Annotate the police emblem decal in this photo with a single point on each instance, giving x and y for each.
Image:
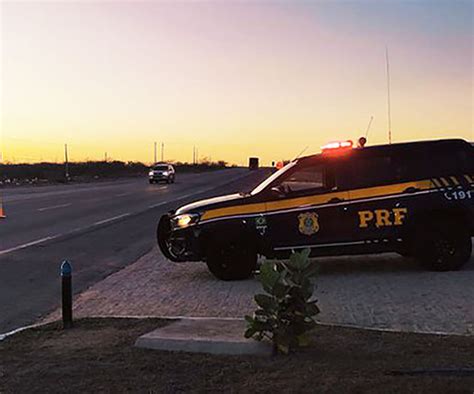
(261, 224)
(308, 223)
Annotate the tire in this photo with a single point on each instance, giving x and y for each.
(232, 260)
(442, 248)
(151, 181)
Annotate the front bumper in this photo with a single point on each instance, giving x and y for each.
(179, 245)
(158, 177)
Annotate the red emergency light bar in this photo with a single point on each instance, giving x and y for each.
(337, 145)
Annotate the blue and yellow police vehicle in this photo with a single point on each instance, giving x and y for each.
(415, 198)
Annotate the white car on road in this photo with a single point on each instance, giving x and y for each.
(161, 172)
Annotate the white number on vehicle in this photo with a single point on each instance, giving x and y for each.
(459, 195)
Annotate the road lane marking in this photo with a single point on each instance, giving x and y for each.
(158, 204)
(111, 219)
(123, 194)
(180, 198)
(105, 221)
(32, 243)
(54, 207)
(53, 237)
(154, 189)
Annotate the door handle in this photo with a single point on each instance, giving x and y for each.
(411, 189)
(335, 200)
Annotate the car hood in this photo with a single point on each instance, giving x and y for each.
(209, 203)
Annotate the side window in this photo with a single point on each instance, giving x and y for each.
(412, 166)
(360, 172)
(450, 162)
(307, 179)
(431, 162)
(398, 166)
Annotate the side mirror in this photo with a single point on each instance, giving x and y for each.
(278, 191)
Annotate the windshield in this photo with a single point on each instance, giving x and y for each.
(270, 179)
(161, 168)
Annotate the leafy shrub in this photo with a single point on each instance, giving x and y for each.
(286, 313)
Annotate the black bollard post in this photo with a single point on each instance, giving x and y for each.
(66, 287)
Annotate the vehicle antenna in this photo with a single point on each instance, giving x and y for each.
(388, 98)
(368, 127)
(299, 154)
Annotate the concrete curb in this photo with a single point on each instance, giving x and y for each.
(394, 330)
(328, 324)
(345, 325)
(20, 329)
(211, 336)
(44, 323)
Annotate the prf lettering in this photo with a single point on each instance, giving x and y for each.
(382, 217)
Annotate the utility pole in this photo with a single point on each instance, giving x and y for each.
(105, 156)
(66, 162)
(197, 156)
(388, 98)
(155, 154)
(194, 154)
(162, 151)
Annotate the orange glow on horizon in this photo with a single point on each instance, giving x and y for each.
(234, 80)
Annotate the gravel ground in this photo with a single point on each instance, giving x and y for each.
(98, 356)
(384, 291)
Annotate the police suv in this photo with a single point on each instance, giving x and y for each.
(416, 199)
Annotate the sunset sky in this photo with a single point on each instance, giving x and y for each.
(236, 79)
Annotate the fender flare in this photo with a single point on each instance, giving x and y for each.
(451, 218)
(221, 232)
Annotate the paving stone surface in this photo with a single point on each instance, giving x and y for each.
(383, 291)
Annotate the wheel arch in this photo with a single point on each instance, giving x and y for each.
(432, 228)
(454, 217)
(220, 232)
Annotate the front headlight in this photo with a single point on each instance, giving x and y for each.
(165, 173)
(185, 220)
(151, 173)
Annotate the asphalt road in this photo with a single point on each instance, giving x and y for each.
(99, 227)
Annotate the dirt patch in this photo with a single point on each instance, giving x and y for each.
(98, 355)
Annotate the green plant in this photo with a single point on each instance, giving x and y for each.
(286, 313)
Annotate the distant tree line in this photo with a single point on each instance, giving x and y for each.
(54, 172)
